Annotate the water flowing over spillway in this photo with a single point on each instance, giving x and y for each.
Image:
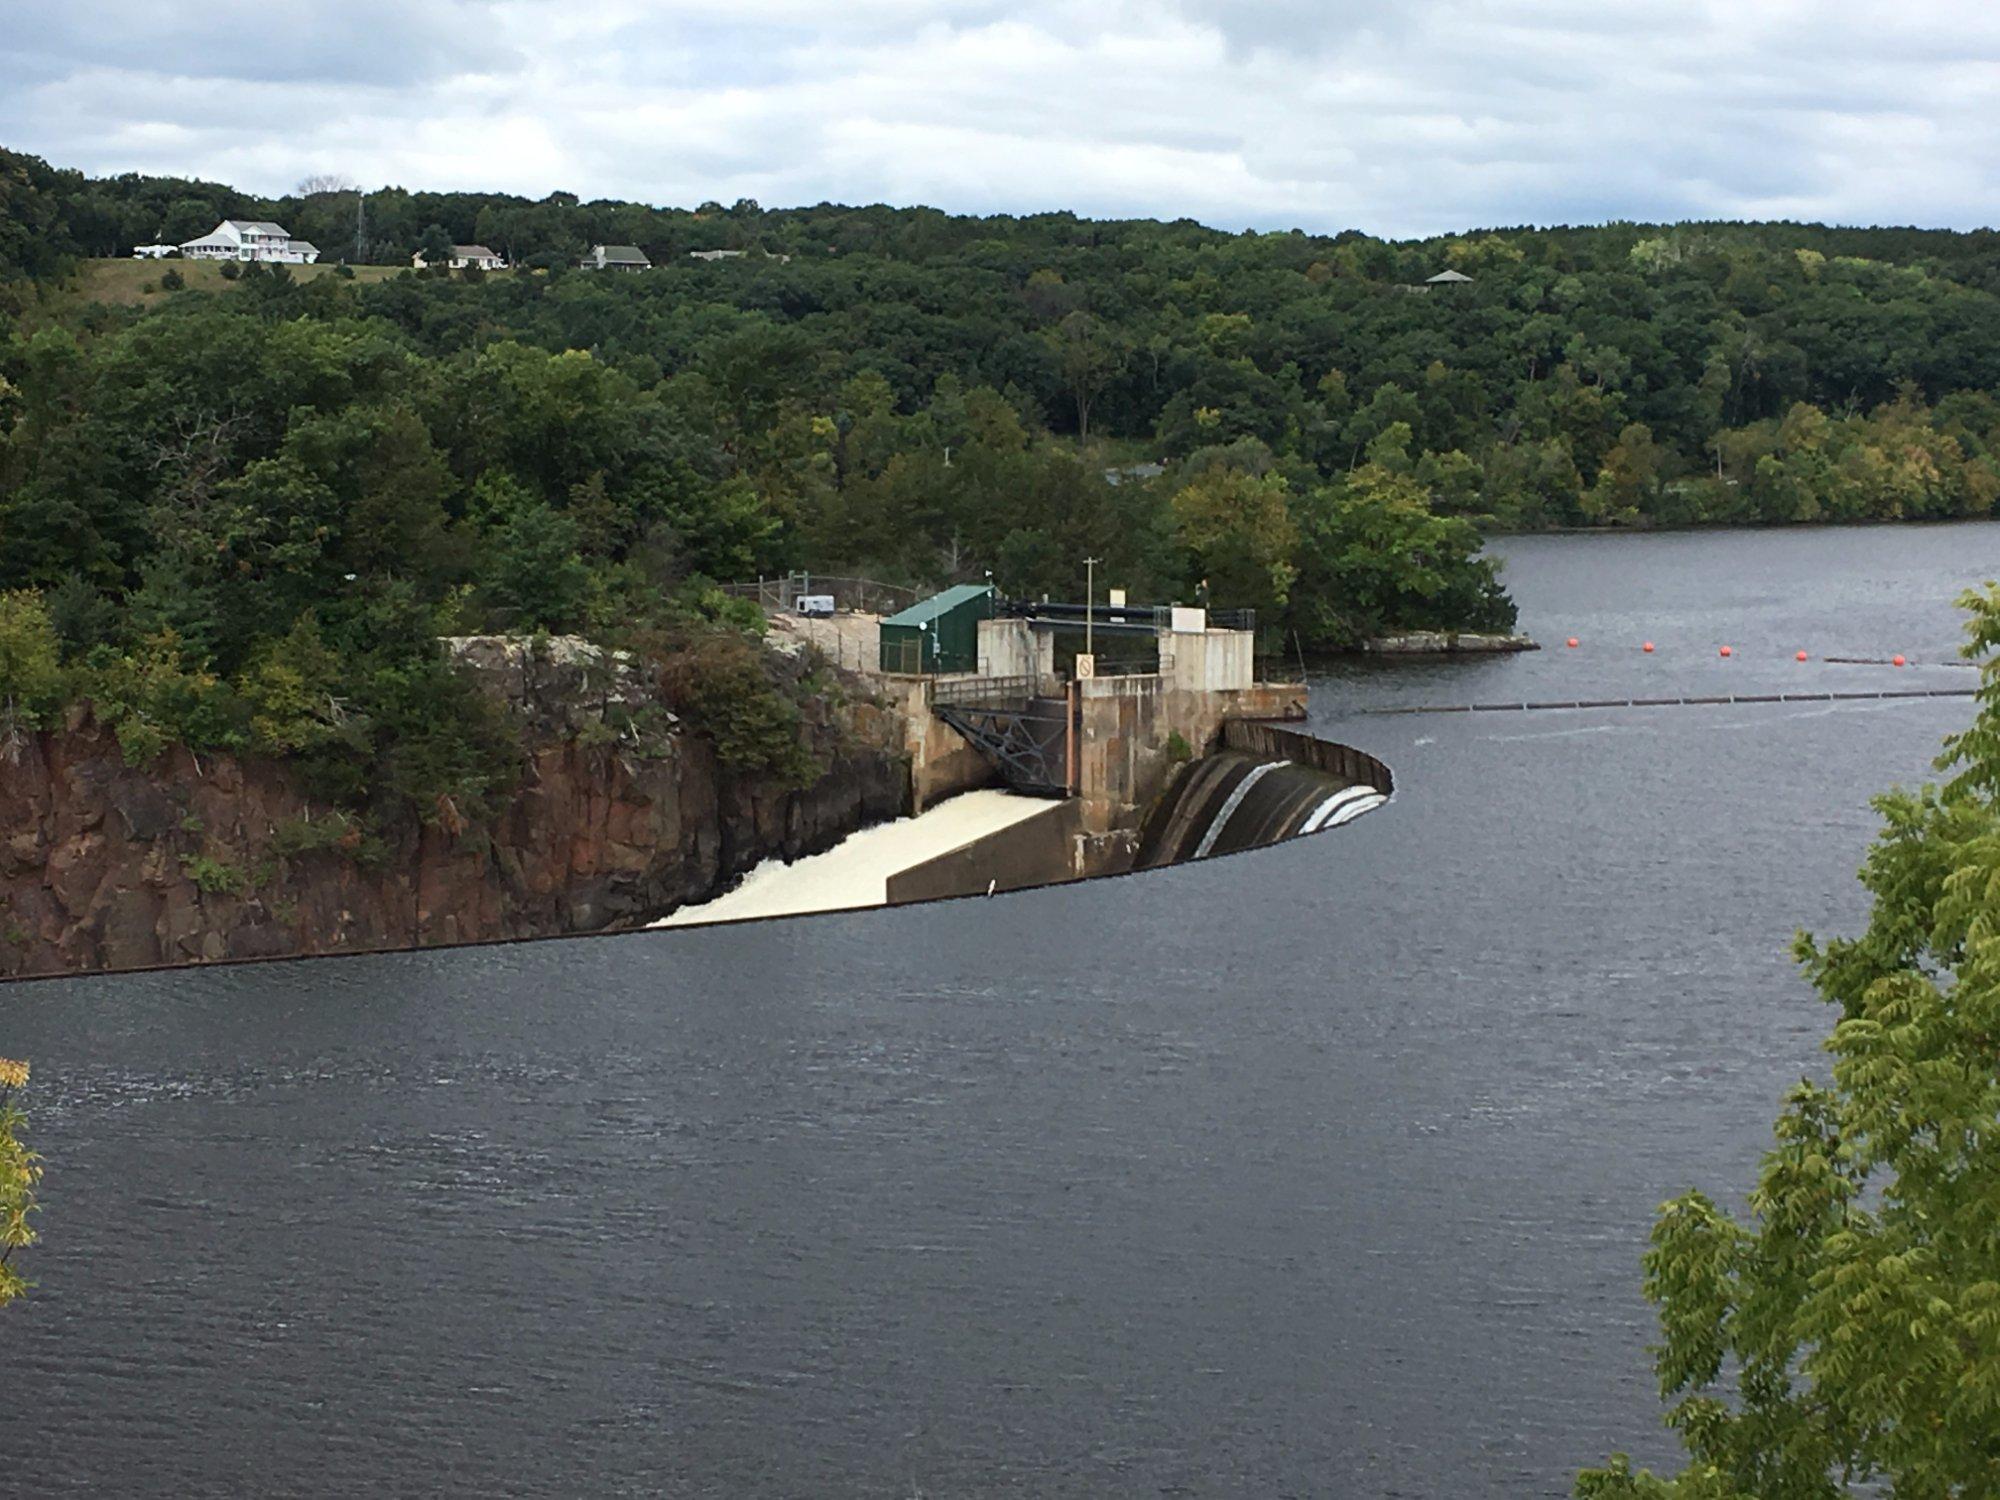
(1245, 798)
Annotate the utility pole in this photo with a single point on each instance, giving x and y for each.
(360, 223)
(1089, 601)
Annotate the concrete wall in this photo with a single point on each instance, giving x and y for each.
(1343, 762)
(1039, 850)
(1125, 729)
(942, 762)
(1213, 661)
(1012, 648)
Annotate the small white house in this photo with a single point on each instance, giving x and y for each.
(615, 258)
(154, 252)
(251, 239)
(463, 256)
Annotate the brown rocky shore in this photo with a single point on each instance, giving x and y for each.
(104, 865)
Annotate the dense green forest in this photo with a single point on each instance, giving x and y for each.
(242, 515)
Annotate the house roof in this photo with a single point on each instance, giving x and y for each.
(621, 252)
(257, 226)
(939, 605)
(1446, 276)
(473, 252)
(303, 245)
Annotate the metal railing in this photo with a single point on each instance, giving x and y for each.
(1064, 615)
(1277, 666)
(967, 692)
(1131, 666)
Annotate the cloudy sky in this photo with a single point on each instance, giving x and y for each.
(1395, 116)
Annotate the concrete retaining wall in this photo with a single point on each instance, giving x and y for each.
(1274, 742)
(1040, 850)
(942, 762)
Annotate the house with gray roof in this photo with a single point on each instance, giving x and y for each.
(615, 258)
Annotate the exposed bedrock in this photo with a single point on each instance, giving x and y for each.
(110, 866)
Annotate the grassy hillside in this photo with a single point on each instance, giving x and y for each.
(136, 283)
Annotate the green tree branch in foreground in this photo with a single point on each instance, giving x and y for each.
(1857, 1313)
(20, 1170)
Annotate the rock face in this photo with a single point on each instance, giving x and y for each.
(110, 866)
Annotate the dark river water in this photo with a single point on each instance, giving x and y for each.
(1323, 1170)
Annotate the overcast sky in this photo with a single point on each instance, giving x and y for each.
(1395, 116)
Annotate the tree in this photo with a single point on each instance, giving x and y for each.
(31, 675)
(1857, 1312)
(436, 248)
(1373, 558)
(20, 1170)
(535, 577)
(1089, 355)
(1628, 482)
(1238, 537)
(325, 182)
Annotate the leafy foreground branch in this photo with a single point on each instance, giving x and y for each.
(20, 1170)
(1858, 1312)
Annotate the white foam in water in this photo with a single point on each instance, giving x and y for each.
(1343, 806)
(856, 871)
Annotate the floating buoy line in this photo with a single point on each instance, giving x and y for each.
(1709, 699)
(1704, 700)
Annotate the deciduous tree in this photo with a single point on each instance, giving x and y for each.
(1844, 1337)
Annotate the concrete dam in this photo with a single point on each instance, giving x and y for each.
(1025, 774)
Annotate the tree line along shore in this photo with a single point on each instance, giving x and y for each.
(239, 511)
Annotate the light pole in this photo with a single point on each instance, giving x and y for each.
(1089, 600)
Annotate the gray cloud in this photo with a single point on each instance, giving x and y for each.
(1426, 116)
(385, 43)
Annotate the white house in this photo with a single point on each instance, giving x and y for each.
(728, 255)
(615, 258)
(154, 252)
(466, 255)
(251, 239)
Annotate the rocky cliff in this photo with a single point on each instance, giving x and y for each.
(109, 866)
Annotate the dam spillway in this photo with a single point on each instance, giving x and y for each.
(1262, 785)
(1265, 785)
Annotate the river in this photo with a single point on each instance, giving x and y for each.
(1319, 1170)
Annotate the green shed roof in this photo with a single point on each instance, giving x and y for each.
(924, 611)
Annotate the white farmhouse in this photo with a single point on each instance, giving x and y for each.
(466, 255)
(251, 239)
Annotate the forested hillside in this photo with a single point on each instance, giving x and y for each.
(241, 515)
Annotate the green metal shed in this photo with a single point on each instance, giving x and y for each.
(938, 634)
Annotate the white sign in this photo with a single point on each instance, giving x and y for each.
(1118, 598)
(1189, 621)
(1086, 667)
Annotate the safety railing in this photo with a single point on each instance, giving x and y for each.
(977, 692)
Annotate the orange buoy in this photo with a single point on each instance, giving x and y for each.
(1726, 652)
(1896, 661)
(1572, 643)
(1648, 647)
(1802, 656)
